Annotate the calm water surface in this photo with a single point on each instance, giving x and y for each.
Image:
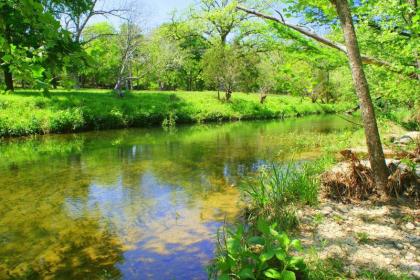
(133, 204)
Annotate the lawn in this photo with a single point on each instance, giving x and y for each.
(30, 112)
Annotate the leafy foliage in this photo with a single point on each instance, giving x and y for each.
(267, 255)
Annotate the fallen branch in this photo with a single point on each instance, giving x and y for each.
(323, 40)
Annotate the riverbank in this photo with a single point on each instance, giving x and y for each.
(29, 112)
(335, 239)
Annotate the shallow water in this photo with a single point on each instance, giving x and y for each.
(134, 204)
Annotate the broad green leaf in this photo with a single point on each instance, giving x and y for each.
(266, 256)
(256, 240)
(287, 275)
(7, 58)
(297, 263)
(296, 244)
(281, 255)
(284, 240)
(273, 274)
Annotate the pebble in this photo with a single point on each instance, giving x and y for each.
(399, 245)
(327, 210)
(410, 256)
(410, 226)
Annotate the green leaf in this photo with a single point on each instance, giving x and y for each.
(233, 245)
(7, 58)
(254, 240)
(266, 256)
(281, 255)
(287, 275)
(274, 232)
(273, 274)
(296, 244)
(297, 263)
(284, 240)
(246, 273)
(37, 71)
(263, 226)
(224, 277)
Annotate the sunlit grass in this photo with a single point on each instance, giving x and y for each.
(31, 112)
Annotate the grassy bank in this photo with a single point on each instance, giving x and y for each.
(29, 112)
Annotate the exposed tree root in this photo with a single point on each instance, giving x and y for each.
(352, 180)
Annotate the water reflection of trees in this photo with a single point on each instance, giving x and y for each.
(76, 209)
(39, 240)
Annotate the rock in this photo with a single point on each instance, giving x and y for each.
(409, 137)
(410, 226)
(343, 208)
(327, 210)
(405, 140)
(410, 256)
(399, 246)
(415, 135)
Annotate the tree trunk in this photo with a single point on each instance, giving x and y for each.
(263, 97)
(54, 82)
(228, 95)
(376, 154)
(8, 78)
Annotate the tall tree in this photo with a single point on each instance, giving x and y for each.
(130, 38)
(373, 140)
(351, 49)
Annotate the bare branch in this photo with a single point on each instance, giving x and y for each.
(281, 16)
(93, 38)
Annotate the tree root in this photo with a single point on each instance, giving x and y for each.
(352, 180)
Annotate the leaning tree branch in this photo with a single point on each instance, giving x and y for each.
(323, 40)
(93, 38)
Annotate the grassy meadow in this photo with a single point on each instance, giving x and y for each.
(30, 112)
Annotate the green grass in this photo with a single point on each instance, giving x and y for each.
(281, 190)
(29, 112)
(334, 269)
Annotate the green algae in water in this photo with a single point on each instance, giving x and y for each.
(140, 203)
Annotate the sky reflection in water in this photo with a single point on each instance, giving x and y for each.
(133, 204)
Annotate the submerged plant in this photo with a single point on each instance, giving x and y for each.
(266, 255)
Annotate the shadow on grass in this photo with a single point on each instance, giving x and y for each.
(63, 112)
(249, 109)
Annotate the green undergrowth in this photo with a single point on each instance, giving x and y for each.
(261, 248)
(281, 189)
(262, 245)
(409, 119)
(334, 269)
(31, 112)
